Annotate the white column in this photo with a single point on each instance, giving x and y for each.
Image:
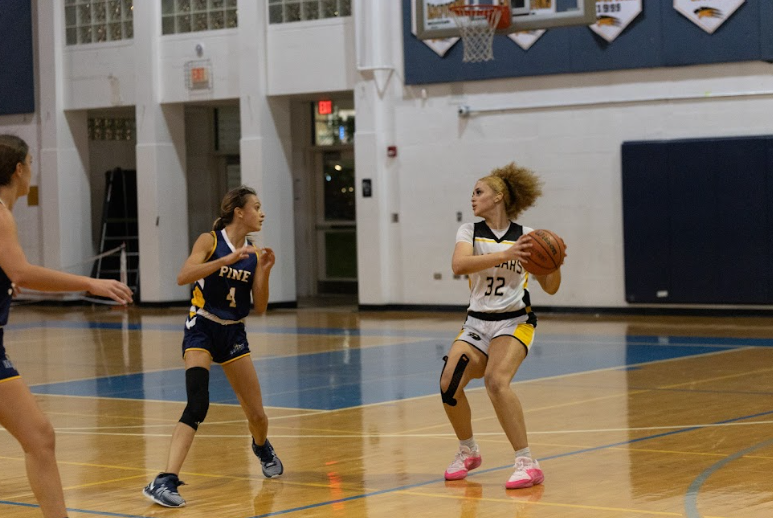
(379, 250)
(65, 194)
(161, 184)
(265, 149)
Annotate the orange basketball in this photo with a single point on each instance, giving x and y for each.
(547, 252)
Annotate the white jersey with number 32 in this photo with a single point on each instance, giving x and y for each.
(502, 287)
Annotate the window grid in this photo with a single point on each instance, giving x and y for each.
(181, 16)
(286, 11)
(98, 21)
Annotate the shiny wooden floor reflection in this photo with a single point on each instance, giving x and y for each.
(627, 434)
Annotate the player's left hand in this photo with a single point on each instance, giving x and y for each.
(16, 290)
(266, 258)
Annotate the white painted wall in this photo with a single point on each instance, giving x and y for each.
(99, 75)
(310, 57)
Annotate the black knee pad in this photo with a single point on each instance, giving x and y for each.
(448, 395)
(197, 387)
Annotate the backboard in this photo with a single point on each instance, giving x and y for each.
(433, 19)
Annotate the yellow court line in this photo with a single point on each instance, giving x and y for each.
(549, 504)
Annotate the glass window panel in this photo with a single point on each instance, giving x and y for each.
(84, 34)
(200, 22)
(84, 14)
(216, 4)
(114, 10)
(329, 8)
(72, 36)
(167, 7)
(115, 31)
(230, 3)
(70, 17)
(216, 20)
(292, 12)
(167, 25)
(99, 11)
(128, 9)
(346, 8)
(338, 184)
(184, 23)
(69, 2)
(341, 254)
(310, 10)
(183, 6)
(275, 14)
(199, 5)
(231, 19)
(128, 30)
(100, 33)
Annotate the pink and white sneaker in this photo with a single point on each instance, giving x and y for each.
(465, 460)
(527, 473)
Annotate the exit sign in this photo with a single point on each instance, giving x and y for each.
(325, 107)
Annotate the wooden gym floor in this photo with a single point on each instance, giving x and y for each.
(630, 417)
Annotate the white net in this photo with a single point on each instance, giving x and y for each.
(477, 25)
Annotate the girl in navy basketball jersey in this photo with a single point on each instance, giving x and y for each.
(500, 325)
(226, 271)
(20, 414)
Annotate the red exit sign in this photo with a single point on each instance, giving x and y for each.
(325, 107)
(199, 75)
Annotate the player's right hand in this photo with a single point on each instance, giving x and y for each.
(112, 289)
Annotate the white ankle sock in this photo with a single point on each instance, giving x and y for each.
(470, 443)
(526, 452)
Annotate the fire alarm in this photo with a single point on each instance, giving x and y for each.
(391, 151)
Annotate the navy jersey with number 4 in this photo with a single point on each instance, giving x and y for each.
(226, 293)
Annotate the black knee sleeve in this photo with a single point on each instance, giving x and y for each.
(448, 395)
(197, 387)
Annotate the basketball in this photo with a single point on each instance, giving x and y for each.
(547, 252)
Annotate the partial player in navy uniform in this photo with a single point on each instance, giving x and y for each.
(19, 412)
(226, 271)
(499, 329)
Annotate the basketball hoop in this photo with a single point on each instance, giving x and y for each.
(477, 25)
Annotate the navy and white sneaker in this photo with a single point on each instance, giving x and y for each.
(272, 466)
(163, 490)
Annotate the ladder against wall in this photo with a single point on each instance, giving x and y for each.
(119, 227)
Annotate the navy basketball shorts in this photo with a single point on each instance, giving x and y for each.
(224, 343)
(7, 370)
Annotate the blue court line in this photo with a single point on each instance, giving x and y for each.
(691, 498)
(72, 510)
(509, 466)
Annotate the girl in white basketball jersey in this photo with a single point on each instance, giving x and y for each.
(499, 329)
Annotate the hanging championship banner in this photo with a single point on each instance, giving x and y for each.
(707, 14)
(613, 16)
(525, 39)
(437, 16)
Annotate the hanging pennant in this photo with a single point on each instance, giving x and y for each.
(439, 16)
(525, 39)
(707, 14)
(613, 16)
